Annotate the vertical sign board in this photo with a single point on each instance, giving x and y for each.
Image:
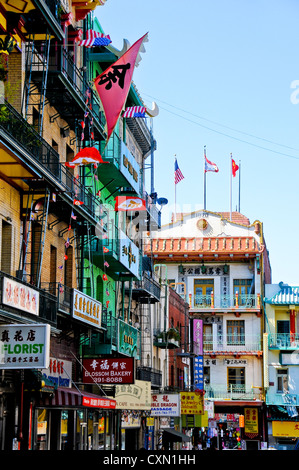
(24, 346)
(198, 350)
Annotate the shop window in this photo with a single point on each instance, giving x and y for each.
(236, 379)
(235, 332)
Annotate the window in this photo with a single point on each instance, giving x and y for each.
(203, 289)
(243, 288)
(235, 332)
(282, 380)
(236, 379)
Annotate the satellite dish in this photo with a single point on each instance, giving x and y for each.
(162, 201)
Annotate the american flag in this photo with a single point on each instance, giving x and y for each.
(178, 175)
(95, 39)
(134, 111)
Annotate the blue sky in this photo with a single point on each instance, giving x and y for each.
(224, 75)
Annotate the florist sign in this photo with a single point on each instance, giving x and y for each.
(24, 346)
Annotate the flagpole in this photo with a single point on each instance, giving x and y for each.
(204, 180)
(239, 185)
(174, 191)
(231, 162)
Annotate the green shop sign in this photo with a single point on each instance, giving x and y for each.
(128, 339)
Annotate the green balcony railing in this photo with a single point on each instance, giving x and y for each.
(231, 392)
(283, 341)
(232, 343)
(282, 399)
(226, 301)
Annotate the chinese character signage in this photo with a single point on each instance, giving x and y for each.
(24, 346)
(165, 405)
(134, 397)
(210, 270)
(93, 402)
(18, 295)
(59, 372)
(192, 403)
(251, 420)
(198, 373)
(87, 309)
(129, 167)
(129, 254)
(198, 336)
(128, 339)
(109, 370)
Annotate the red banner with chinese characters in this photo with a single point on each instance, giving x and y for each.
(114, 83)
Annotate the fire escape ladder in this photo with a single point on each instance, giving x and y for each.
(37, 60)
(44, 224)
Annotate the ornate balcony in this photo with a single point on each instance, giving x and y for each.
(231, 392)
(242, 344)
(214, 302)
(285, 341)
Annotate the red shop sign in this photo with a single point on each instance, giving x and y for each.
(115, 370)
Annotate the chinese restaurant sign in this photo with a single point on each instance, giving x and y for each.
(18, 295)
(165, 405)
(24, 346)
(108, 370)
(87, 309)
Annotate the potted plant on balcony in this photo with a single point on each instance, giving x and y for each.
(173, 336)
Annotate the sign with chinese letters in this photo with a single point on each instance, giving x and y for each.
(285, 429)
(20, 296)
(198, 373)
(128, 339)
(192, 403)
(59, 372)
(109, 370)
(129, 167)
(94, 402)
(251, 420)
(198, 336)
(134, 397)
(24, 346)
(129, 253)
(87, 309)
(165, 405)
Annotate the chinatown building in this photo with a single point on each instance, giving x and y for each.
(220, 266)
(70, 259)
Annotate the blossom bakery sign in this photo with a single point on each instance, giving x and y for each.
(108, 370)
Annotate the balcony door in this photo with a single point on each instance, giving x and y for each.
(203, 289)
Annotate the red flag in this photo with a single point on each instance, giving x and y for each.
(235, 168)
(114, 83)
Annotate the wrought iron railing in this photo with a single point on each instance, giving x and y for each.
(47, 311)
(149, 374)
(283, 341)
(232, 343)
(12, 123)
(231, 392)
(226, 301)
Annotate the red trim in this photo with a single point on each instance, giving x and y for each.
(73, 397)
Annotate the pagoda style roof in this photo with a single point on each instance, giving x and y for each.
(285, 296)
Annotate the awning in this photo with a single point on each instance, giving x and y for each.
(175, 436)
(78, 398)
